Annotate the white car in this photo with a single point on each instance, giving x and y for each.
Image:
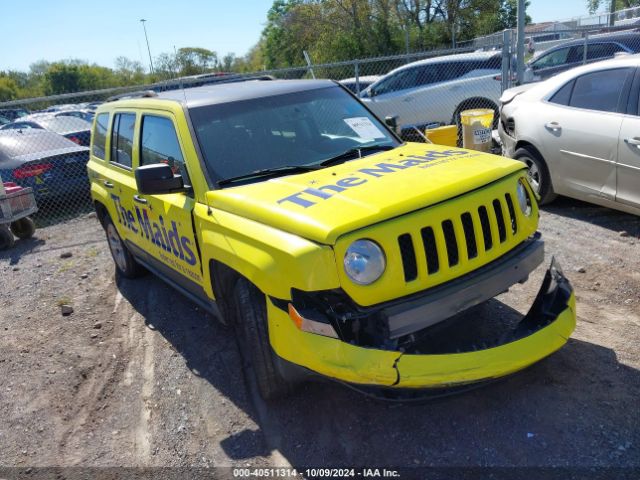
(436, 90)
(579, 133)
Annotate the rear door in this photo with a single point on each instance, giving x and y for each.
(579, 130)
(165, 235)
(628, 166)
(119, 180)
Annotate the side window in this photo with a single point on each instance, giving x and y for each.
(494, 63)
(552, 59)
(159, 144)
(562, 96)
(599, 90)
(122, 138)
(428, 74)
(100, 135)
(576, 54)
(602, 50)
(399, 81)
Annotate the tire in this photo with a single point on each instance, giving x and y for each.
(126, 265)
(23, 228)
(253, 337)
(538, 174)
(6, 238)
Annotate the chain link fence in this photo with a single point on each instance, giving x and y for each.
(44, 142)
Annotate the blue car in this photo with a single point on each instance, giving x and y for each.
(54, 167)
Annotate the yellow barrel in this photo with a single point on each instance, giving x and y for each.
(447, 135)
(476, 128)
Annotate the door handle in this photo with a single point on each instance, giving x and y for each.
(407, 99)
(555, 126)
(107, 184)
(633, 141)
(139, 199)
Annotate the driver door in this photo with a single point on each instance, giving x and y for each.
(165, 222)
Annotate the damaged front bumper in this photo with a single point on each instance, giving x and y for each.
(543, 330)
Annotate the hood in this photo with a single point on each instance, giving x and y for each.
(322, 205)
(512, 93)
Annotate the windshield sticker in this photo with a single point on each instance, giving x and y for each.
(364, 127)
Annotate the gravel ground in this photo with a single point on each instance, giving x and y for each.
(139, 376)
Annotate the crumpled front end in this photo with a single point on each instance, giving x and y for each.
(433, 361)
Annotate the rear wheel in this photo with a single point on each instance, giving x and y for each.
(537, 173)
(23, 228)
(253, 335)
(125, 263)
(6, 238)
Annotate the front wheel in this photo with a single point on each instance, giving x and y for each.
(125, 263)
(23, 228)
(537, 173)
(253, 338)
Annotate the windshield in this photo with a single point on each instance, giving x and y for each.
(295, 129)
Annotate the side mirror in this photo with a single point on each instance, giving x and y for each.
(392, 122)
(157, 179)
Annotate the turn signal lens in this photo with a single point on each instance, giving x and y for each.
(311, 326)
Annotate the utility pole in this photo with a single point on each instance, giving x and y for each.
(520, 44)
(612, 10)
(142, 20)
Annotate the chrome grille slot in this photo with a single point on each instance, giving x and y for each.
(451, 242)
(486, 227)
(430, 249)
(469, 235)
(502, 229)
(512, 214)
(408, 254)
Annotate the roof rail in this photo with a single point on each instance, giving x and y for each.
(141, 94)
(206, 79)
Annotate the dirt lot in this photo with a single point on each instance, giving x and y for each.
(138, 376)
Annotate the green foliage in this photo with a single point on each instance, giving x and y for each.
(333, 30)
(8, 89)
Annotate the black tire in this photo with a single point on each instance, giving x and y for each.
(126, 265)
(253, 336)
(538, 173)
(7, 239)
(23, 228)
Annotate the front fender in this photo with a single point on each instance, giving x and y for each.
(273, 260)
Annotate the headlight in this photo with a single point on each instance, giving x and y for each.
(523, 199)
(364, 262)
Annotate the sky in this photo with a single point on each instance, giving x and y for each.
(99, 31)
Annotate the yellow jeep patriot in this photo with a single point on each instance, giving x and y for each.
(289, 211)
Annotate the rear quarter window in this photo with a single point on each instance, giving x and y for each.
(100, 135)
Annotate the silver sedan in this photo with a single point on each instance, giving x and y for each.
(579, 133)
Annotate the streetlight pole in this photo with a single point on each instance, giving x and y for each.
(520, 45)
(142, 20)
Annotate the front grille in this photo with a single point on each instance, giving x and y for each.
(458, 239)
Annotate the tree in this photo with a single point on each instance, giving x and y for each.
(8, 89)
(129, 71)
(195, 60)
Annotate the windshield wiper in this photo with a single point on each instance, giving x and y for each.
(348, 155)
(268, 172)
